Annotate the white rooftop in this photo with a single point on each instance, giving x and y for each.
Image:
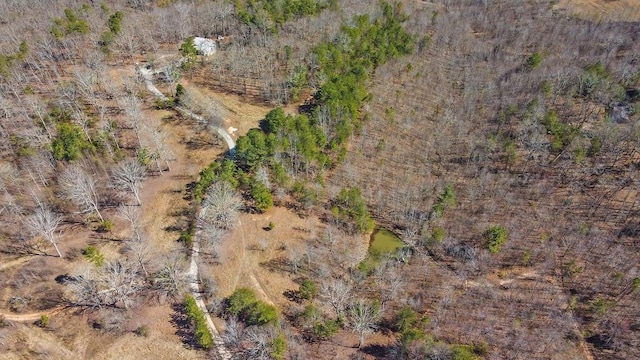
(205, 46)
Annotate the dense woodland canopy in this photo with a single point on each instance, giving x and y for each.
(496, 138)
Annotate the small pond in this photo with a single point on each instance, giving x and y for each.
(384, 241)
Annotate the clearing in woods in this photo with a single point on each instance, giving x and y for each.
(602, 10)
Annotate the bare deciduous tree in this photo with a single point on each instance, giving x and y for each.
(221, 206)
(80, 187)
(390, 281)
(120, 282)
(171, 280)
(128, 175)
(232, 332)
(262, 175)
(363, 316)
(132, 107)
(141, 250)
(115, 284)
(133, 216)
(44, 222)
(251, 342)
(162, 152)
(83, 289)
(336, 293)
(210, 239)
(257, 344)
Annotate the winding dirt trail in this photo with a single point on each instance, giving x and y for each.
(28, 317)
(193, 274)
(253, 279)
(147, 75)
(34, 316)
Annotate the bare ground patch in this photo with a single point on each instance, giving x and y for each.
(240, 114)
(255, 257)
(601, 10)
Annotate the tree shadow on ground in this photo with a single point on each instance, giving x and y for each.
(376, 350)
(278, 265)
(181, 322)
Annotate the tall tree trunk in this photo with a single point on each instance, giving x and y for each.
(57, 250)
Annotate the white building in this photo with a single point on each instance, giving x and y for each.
(205, 46)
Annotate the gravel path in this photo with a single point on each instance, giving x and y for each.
(192, 273)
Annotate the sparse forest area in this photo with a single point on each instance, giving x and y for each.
(159, 203)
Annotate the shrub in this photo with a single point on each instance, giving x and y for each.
(22, 146)
(462, 352)
(368, 266)
(104, 225)
(142, 330)
(594, 147)
(93, 255)
(271, 225)
(69, 25)
(164, 104)
(260, 313)
(405, 319)
(278, 347)
(308, 289)
(202, 335)
(244, 305)
(562, 133)
(180, 90)
(115, 22)
(261, 194)
(495, 236)
(481, 348)
(410, 335)
(310, 314)
(273, 121)
(446, 199)
(105, 40)
(189, 51)
(526, 258)
(18, 303)
(534, 60)
(69, 143)
(351, 207)
(44, 320)
(325, 330)
(186, 237)
(240, 300)
(438, 234)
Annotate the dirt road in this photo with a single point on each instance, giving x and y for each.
(193, 273)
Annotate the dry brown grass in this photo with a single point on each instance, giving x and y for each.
(248, 246)
(602, 10)
(240, 114)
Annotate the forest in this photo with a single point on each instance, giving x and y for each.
(340, 179)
